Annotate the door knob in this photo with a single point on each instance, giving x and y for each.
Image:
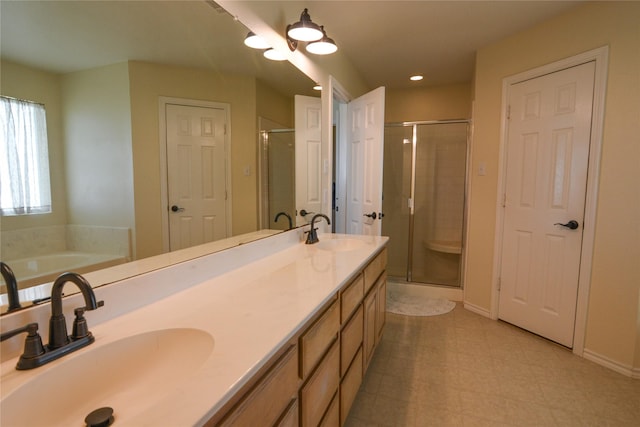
(372, 215)
(573, 224)
(176, 208)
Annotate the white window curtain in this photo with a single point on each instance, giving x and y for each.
(24, 158)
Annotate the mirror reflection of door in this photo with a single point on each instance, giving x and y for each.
(196, 174)
(308, 113)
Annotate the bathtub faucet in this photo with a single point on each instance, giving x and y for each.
(12, 286)
(312, 237)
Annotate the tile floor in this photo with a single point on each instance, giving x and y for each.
(461, 369)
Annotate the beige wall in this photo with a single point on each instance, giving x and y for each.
(150, 81)
(20, 81)
(97, 123)
(272, 105)
(429, 103)
(612, 325)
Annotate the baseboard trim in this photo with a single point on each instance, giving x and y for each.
(477, 309)
(614, 365)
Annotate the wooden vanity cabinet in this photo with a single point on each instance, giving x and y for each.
(271, 397)
(315, 381)
(374, 305)
(318, 337)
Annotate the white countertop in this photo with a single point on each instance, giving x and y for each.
(248, 311)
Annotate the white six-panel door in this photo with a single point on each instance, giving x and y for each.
(365, 151)
(547, 159)
(196, 175)
(308, 153)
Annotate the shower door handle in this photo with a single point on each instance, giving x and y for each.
(372, 215)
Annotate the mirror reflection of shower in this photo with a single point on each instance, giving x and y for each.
(425, 167)
(277, 177)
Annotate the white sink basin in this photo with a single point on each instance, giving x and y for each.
(128, 375)
(339, 245)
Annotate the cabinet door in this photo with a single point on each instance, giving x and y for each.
(369, 338)
(381, 308)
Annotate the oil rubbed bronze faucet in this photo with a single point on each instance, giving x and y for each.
(60, 344)
(312, 237)
(12, 286)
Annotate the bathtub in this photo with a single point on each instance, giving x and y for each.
(45, 268)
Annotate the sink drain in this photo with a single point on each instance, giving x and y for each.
(101, 417)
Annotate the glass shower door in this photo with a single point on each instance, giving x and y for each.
(396, 192)
(440, 174)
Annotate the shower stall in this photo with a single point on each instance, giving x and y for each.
(425, 174)
(277, 177)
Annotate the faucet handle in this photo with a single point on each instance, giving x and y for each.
(80, 327)
(32, 344)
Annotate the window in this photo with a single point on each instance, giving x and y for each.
(24, 158)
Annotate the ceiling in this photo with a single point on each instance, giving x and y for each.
(386, 41)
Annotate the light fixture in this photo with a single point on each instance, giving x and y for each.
(274, 55)
(254, 41)
(304, 30)
(416, 78)
(317, 87)
(324, 46)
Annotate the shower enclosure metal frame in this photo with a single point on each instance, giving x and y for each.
(412, 192)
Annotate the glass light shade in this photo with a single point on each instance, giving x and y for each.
(304, 30)
(325, 46)
(274, 55)
(254, 41)
(305, 34)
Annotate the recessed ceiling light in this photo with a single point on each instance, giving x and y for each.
(317, 87)
(416, 78)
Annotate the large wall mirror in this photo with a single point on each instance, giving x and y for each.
(101, 69)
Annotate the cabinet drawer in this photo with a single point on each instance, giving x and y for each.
(350, 297)
(318, 338)
(350, 385)
(332, 417)
(374, 268)
(350, 340)
(316, 395)
(269, 398)
(290, 417)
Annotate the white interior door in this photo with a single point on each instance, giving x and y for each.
(365, 151)
(196, 174)
(547, 161)
(308, 113)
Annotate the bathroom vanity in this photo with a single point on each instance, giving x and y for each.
(274, 332)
